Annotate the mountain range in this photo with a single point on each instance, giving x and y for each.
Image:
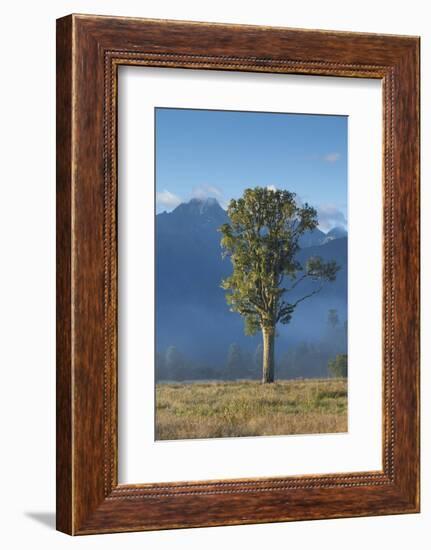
(191, 310)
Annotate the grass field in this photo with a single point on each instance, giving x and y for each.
(249, 408)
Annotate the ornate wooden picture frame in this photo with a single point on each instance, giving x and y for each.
(89, 51)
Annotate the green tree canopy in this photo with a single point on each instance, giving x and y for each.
(262, 241)
(338, 366)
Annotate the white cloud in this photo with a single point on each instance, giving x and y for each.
(271, 188)
(332, 157)
(205, 191)
(330, 216)
(167, 200)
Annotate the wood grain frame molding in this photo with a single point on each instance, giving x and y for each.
(89, 51)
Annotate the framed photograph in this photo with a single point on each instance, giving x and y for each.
(237, 274)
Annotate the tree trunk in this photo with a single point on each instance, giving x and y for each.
(268, 334)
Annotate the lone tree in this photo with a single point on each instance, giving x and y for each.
(262, 243)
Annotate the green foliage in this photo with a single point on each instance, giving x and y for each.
(262, 242)
(338, 366)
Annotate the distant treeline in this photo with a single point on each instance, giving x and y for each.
(304, 360)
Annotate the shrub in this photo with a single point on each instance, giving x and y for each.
(338, 366)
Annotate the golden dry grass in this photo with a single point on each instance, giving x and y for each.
(249, 408)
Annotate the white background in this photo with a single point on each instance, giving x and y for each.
(141, 458)
(27, 218)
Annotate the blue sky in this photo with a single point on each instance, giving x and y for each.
(202, 153)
